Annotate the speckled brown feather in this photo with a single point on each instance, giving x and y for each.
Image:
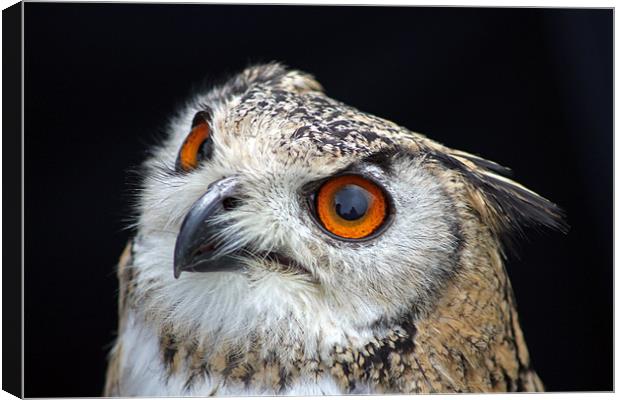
(125, 275)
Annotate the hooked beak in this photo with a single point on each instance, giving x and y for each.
(196, 246)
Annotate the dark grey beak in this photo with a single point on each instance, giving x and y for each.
(196, 246)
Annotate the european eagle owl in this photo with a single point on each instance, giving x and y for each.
(287, 243)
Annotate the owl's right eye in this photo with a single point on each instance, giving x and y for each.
(198, 145)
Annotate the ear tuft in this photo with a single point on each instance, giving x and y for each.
(279, 76)
(275, 75)
(507, 207)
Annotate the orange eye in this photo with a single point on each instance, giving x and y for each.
(351, 207)
(197, 145)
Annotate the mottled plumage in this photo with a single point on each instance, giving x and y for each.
(426, 306)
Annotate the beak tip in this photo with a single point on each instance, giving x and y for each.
(177, 266)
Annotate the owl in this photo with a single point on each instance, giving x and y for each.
(289, 244)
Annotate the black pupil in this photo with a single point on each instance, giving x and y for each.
(351, 202)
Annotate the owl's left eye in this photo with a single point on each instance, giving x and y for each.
(351, 207)
(198, 145)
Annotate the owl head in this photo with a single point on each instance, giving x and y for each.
(273, 209)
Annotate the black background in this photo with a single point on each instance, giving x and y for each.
(529, 88)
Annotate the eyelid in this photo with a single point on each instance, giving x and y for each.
(351, 169)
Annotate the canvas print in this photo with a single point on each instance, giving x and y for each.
(241, 200)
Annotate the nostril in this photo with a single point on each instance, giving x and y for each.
(230, 203)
